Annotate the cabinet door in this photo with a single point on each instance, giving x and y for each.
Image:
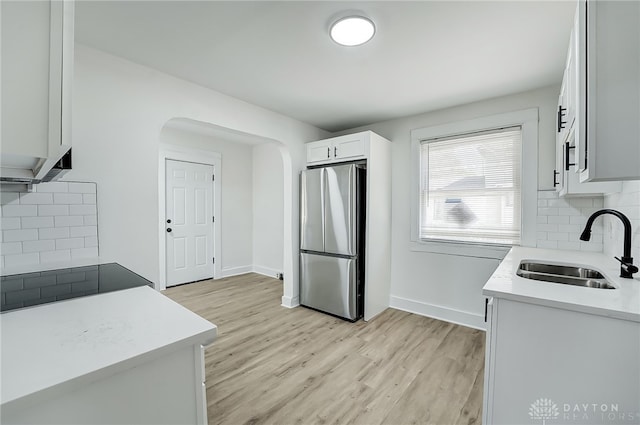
(549, 353)
(36, 105)
(558, 173)
(319, 151)
(348, 147)
(569, 90)
(25, 95)
(489, 357)
(610, 146)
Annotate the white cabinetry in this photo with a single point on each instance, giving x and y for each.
(566, 178)
(376, 151)
(37, 60)
(571, 358)
(607, 141)
(338, 149)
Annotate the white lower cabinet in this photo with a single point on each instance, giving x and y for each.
(168, 388)
(549, 365)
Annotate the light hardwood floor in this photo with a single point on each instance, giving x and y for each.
(275, 365)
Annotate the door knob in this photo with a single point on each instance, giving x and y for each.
(169, 221)
(169, 229)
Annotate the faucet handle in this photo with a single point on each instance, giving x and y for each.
(626, 265)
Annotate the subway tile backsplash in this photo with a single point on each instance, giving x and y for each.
(628, 203)
(561, 221)
(56, 222)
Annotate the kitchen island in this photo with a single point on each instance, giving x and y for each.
(561, 352)
(129, 356)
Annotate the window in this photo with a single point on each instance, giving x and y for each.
(470, 187)
(474, 185)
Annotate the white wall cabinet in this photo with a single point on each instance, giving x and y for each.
(536, 352)
(376, 150)
(338, 149)
(567, 181)
(37, 63)
(607, 58)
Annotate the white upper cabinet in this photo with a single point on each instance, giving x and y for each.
(37, 60)
(572, 137)
(607, 140)
(338, 149)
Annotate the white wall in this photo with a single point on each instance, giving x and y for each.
(236, 177)
(119, 110)
(268, 196)
(439, 285)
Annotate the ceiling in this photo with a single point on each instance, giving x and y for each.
(426, 55)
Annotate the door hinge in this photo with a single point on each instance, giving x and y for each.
(213, 260)
(213, 177)
(213, 219)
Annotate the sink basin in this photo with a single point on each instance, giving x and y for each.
(562, 270)
(564, 274)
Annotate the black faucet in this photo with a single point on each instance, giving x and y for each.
(627, 269)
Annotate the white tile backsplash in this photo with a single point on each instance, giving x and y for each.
(67, 198)
(36, 222)
(36, 198)
(628, 203)
(55, 222)
(52, 187)
(37, 246)
(561, 220)
(70, 220)
(54, 233)
(15, 210)
(53, 210)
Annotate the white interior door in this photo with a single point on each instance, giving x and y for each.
(189, 221)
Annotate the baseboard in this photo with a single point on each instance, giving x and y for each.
(266, 271)
(290, 302)
(234, 271)
(438, 312)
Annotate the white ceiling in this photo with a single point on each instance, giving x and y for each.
(426, 55)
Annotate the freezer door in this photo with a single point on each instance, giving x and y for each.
(312, 210)
(329, 284)
(340, 210)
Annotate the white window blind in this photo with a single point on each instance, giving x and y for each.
(470, 187)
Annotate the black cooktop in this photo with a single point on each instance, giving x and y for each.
(29, 289)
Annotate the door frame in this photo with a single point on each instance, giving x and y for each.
(179, 153)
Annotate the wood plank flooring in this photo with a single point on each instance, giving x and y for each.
(273, 365)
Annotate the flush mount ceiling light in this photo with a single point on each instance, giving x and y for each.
(352, 30)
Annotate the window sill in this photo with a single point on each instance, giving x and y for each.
(463, 249)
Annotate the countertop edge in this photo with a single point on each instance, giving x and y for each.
(562, 305)
(203, 338)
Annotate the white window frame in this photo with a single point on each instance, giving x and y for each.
(528, 120)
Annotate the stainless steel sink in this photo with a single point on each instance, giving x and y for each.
(564, 274)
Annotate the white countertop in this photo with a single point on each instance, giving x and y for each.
(621, 303)
(74, 342)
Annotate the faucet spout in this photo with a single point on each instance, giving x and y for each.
(626, 262)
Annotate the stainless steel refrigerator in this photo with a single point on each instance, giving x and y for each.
(332, 223)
